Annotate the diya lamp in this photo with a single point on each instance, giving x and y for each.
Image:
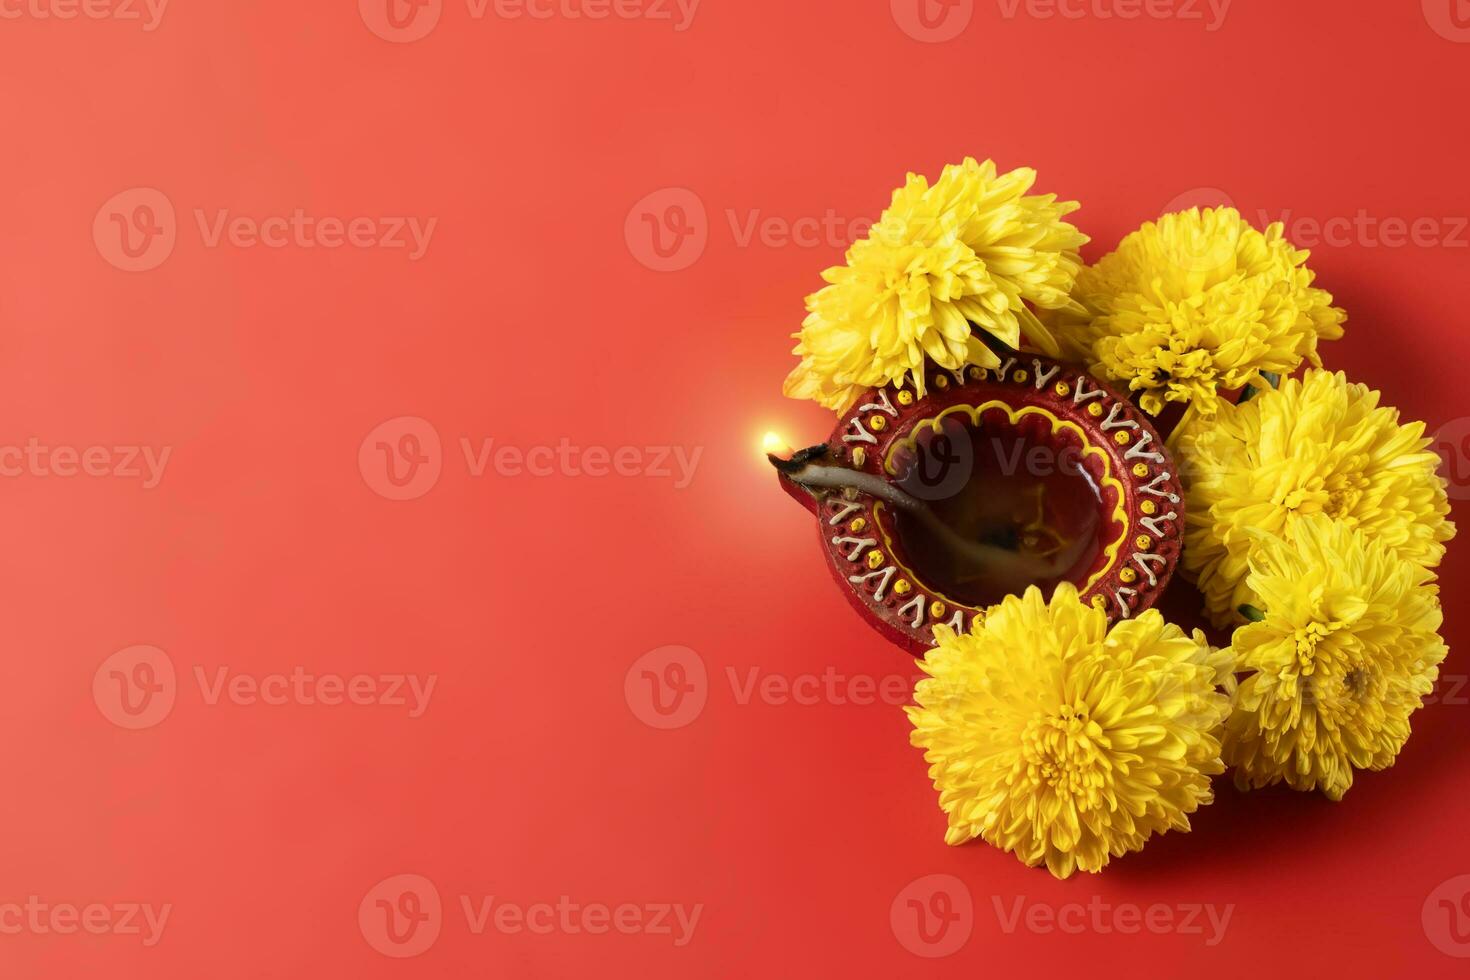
(985, 490)
(931, 508)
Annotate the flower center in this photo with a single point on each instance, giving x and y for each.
(1343, 495)
(1337, 495)
(1064, 750)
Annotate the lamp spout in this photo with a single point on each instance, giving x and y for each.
(786, 468)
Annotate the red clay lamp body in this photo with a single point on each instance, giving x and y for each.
(931, 508)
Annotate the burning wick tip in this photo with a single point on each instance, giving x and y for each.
(797, 461)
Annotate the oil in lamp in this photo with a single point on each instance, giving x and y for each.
(931, 508)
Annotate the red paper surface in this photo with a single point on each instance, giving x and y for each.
(159, 292)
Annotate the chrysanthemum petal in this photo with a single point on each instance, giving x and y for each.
(1196, 304)
(964, 255)
(1320, 445)
(1347, 650)
(1051, 737)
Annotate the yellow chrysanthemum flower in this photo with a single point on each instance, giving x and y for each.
(1063, 742)
(972, 249)
(1197, 303)
(1318, 446)
(1348, 648)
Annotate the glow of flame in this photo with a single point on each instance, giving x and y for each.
(775, 445)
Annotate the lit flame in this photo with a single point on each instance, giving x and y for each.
(775, 445)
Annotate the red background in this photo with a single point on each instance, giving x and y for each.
(531, 319)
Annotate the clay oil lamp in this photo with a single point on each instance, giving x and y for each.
(932, 508)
